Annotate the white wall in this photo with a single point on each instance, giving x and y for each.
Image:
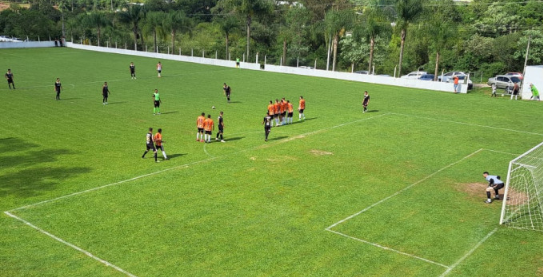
(383, 80)
(27, 44)
(534, 75)
(161, 56)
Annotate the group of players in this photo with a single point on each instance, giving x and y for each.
(281, 112)
(206, 126)
(154, 142)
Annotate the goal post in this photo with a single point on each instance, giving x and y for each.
(522, 206)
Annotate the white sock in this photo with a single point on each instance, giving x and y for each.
(164, 154)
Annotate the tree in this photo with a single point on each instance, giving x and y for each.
(373, 25)
(98, 20)
(249, 9)
(439, 29)
(176, 21)
(336, 22)
(153, 24)
(228, 23)
(132, 16)
(407, 11)
(353, 50)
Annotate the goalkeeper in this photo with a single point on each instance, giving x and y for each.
(494, 183)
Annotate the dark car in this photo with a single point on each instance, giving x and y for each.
(427, 77)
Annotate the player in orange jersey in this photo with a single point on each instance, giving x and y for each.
(159, 142)
(276, 112)
(208, 128)
(290, 112)
(200, 124)
(284, 107)
(301, 108)
(271, 109)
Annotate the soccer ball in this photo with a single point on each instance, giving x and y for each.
(213, 107)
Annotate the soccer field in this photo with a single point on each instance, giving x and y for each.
(397, 191)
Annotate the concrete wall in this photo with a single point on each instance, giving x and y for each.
(383, 80)
(534, 75)
(27, 44)
(161, 56)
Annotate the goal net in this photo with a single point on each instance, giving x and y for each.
(523, 198)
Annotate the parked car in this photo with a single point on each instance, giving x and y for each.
(362, 72)
(414, 75)
(445, 77)
(461, 80)
(515, 74)
(503, 81)
(427, 77)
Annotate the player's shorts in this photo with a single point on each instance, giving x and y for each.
(267, 128)
(10, 81)
(276, 115)
(157, 104)
(150, 146)
(200, 130)
(284, 114)
(237, 63)
(301, 110)
(159, 147)
(498, 186)
(208, 132)
(221, 130)
(159, 71)
(290, 114)
(364, 104)
(228, 94)
(515, 92)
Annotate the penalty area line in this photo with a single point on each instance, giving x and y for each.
(388, 249)
(451, 268)
(404, 189)
(71, 245)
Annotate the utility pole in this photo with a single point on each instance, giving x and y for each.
(526, 59)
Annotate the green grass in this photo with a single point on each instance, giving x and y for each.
(248, 207)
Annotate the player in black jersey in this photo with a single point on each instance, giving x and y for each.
(267, 124)
(9, 77)
(221, 127)
(366, 101)
(150, 144)
(105, 93)
(58, 87)
(132, 70)
(227, 91)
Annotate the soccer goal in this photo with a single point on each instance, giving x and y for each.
(523, 198)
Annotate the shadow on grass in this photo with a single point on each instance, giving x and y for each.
(173, 156)
(66, 99)
(300, 121)
(115, 103)
(277, 138)
(170, 112)
(14, 144)
(33, 181)
(32, 171)
(235, 102)
(373, 111)
(234, 139)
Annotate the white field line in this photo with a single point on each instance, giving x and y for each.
(389, 249)
(181, 166)
(402, 190)
(71, 245)
(502, 152)
(449, 269)
(470, 124)
(207, 153)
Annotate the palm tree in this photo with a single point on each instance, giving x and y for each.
(374, 24)
(153, 24)
(132, 16)
(176, 21)
(227, 24)
(336, 22)
(98, 20)
(407, 11)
